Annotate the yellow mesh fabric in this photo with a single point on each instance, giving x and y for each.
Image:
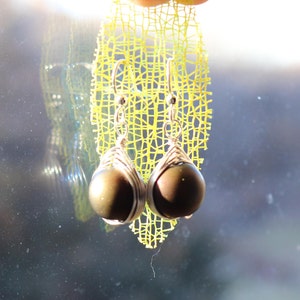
(146, 38)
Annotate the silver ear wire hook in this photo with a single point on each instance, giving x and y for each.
(169, 74)
(121, 99)
(171, 99)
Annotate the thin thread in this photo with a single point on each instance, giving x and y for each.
(151, 261)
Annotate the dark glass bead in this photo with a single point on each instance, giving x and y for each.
(179, 191)
(111, 194)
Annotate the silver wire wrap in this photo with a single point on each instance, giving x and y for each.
(175, 155)
(117, 157)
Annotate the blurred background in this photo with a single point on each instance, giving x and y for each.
(244, 242)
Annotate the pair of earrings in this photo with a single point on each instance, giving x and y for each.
(175, 189)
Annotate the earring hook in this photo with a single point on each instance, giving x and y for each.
(121, 99)
(171, 99)
(169, 61)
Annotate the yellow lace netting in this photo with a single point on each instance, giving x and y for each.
(145, 38)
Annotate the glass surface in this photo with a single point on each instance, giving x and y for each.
(243, 243)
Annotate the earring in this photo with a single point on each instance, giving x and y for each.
(117, 191)
(176, 187)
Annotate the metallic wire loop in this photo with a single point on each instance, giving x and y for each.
(169, 135)
(120, 124)
(171, 101)
(168, 75)
(114, 74)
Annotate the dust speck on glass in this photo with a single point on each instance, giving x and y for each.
(147, 146)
